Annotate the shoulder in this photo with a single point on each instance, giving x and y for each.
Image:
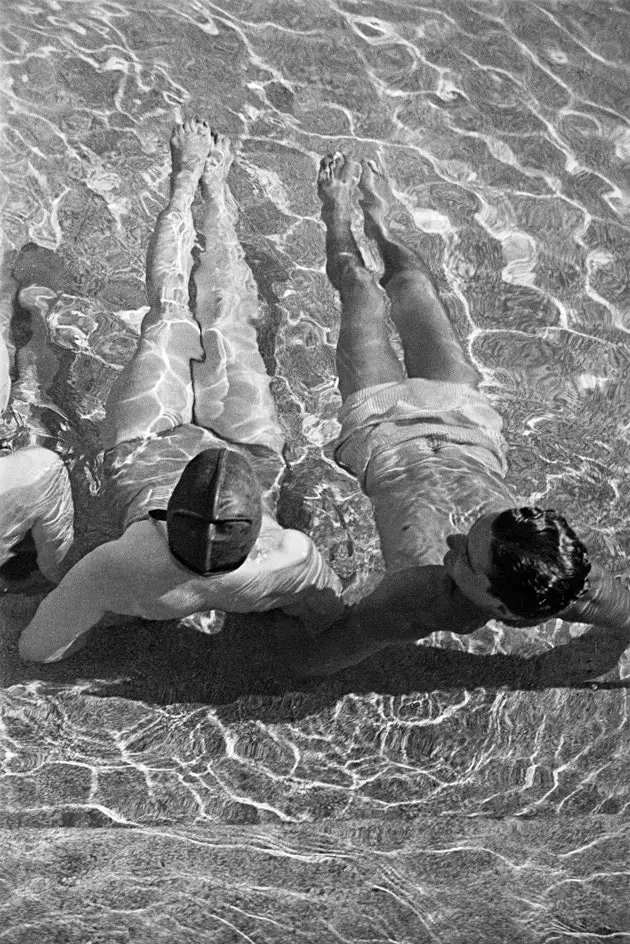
(137, 545)
(421, 583)
(131, 560)
(144, 539)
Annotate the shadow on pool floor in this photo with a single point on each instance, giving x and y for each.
(162, 663)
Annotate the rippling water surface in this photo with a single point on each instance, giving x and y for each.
(462, 791)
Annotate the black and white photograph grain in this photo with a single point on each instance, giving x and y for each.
(315, 472)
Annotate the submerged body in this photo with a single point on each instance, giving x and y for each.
(197, 381)
(426, 446)
(138, 576)
(423, 450)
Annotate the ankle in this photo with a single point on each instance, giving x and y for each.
(184, 183)
(336, 211)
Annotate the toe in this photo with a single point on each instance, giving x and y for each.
(369, 171)
(345, 167)
(325, 164)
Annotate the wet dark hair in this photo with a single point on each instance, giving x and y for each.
(539, 565)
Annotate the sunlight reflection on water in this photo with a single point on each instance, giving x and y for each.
(503, 129)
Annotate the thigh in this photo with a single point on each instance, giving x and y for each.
(431, 347)
(154, 392)
(365, 356)
(231, 386)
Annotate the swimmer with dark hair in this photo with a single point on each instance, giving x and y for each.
(193, 447)
(426, 446)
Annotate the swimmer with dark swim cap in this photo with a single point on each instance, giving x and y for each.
(215, 512)
(193, 447)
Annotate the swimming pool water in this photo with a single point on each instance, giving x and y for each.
(166, 785)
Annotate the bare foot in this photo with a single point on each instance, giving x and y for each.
(219, 159)
(334, 183)
(376, 196)
(190, 143)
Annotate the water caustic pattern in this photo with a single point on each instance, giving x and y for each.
(408, 757)
(369, 883)
(376, 806)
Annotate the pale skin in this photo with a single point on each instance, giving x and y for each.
(404, 606)
(364, 352)
(185, 363)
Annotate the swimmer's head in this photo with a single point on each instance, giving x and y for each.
(214, 513)
(524, 563)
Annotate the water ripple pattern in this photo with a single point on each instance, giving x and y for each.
(505, 129)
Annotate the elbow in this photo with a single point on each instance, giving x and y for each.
(34, 649)
(29, 649)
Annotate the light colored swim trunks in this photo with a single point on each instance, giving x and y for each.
(142, 473)
(430, 456)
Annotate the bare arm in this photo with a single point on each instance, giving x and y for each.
(66, 614)
(606, 603)
(304, 585)
(406, 606)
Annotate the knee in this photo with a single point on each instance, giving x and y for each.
(416, 279)
(357, 278)
(415, 275)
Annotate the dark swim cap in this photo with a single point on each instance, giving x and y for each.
(214, 513)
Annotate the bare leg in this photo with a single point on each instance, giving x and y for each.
(40, 278)
(364, 353)
(431, 347)
(231, 386)
(154, 392)
(36, 364)
(8, 287)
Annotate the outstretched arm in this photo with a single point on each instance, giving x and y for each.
(66, 614)
(606, 603)
(406, 606)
